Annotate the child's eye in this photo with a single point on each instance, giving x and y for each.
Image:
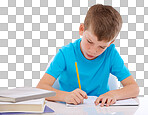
(89, 42)
(102, 47)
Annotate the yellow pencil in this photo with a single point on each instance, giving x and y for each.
(78, 75)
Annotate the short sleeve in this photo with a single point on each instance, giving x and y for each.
(57, 66)
(117, 66)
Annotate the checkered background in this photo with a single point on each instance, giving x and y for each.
(32, 31)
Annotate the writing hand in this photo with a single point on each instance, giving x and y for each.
(75, 97)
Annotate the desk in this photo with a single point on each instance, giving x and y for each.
(62, 109)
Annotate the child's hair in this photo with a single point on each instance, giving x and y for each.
(104, 21)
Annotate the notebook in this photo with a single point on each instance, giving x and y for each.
(91, 99)
(23, 94)
(46, 110)
(36, 105)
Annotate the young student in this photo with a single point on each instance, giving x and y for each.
(83, 67)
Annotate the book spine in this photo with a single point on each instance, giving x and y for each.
(35, 97)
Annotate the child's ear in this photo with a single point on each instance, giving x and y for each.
(111, 43)
(81, 29)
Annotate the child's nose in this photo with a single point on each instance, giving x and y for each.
(94, 51)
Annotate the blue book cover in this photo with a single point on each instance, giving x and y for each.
(46, 110)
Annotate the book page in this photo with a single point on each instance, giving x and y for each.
(32, 102)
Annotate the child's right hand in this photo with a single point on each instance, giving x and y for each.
(75, 97)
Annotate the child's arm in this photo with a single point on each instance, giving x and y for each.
(130, 90)
(74, 97)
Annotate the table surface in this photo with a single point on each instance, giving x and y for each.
(62, 109)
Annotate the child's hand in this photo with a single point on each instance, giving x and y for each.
(108, 98)
(75, 97)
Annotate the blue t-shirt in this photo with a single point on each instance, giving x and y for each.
(94, 74)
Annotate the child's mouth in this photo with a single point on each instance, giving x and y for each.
(89, 56)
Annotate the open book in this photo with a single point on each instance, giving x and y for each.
(24, 94)
(91, 99)
(24, 106)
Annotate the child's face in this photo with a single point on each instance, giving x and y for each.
(91, 47)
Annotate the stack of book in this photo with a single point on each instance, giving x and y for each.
(26, 99)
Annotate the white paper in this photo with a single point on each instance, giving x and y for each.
(91, 99)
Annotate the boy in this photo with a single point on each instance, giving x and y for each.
(96, 58)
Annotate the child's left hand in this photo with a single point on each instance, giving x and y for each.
(108, 98)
